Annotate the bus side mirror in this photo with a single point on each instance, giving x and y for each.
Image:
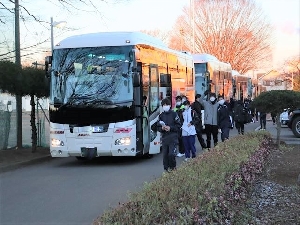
(136, 79)
(48, 61)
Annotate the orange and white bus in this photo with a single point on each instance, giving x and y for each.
(106, 90)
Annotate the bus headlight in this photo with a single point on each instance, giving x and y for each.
(123, 141)
(56, 142)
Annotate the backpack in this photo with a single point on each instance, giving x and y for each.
(239, 114)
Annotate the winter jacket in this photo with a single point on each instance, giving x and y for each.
(190, 116)
(171, 119)
(210, 111)
(179, 110)
(240, 113)
(223, 117)
(197, 107)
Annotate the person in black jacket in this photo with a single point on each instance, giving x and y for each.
(263, 120)
(239, 115)
(224, 123)
(179, 108)
(169, 125)
(198, 107)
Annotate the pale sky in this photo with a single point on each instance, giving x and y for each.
(137, 15)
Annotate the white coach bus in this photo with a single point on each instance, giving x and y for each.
(212, 74)
(106, 90)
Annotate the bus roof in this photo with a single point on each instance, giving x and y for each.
(109, 39)
(204, 57)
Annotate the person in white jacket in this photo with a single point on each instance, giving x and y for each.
(190, 119)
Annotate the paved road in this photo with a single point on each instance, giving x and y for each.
(286, 133)
(68, 192)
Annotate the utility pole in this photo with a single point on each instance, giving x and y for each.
(181, 34)
(292, 80)
(18, 62)
(193, 25)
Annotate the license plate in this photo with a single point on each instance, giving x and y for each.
(89, 152)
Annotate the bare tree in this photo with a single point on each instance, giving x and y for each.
(180, 36)
(35, 26)
(234, 31)
(291, 70)
(160, 34)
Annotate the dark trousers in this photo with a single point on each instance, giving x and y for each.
(240, 126)
(169, 151)
(180, 145)
(274, 119)
(189, 146)
(200, 139)
(263, 122)
(211, 130)
(225, 133)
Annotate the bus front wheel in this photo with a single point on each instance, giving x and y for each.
(80, 158)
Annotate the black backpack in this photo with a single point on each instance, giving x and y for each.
(239, 114)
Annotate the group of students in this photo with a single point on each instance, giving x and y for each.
(252, 114)
(180, 126)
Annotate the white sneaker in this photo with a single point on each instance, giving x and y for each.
(186, 159)
(180, 155)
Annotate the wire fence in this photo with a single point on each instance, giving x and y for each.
(8, 126)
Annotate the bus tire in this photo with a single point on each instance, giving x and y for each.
(148, 156)
(80, 158)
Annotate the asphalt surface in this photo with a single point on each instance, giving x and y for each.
(14, 158)
(42, 155)
(67, 191)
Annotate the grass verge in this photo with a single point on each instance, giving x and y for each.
(210, 189)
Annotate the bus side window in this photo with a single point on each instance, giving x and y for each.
(154, 88)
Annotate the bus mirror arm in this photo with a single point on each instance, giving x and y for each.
(48, 61)
(132, 58)
(138, 106)
(136, 79)
(144, 117)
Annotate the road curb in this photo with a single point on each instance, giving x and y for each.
(18, 165)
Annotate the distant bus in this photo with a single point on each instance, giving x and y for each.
(212, 74)
(106, 90)
(242, 85)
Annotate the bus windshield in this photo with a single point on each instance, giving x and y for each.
(92, 77)
(200, 68)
